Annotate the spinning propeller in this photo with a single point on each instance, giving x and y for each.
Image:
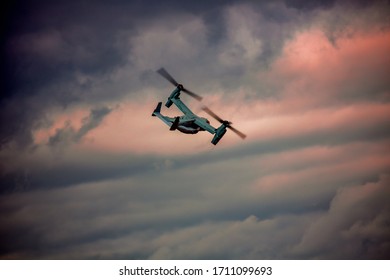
(167, 76)
(226, 123)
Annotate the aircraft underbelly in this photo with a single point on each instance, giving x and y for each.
(187, 130)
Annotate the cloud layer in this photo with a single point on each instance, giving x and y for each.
(87, 173)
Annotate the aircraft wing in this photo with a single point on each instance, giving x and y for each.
(205, 125)
(182, 107)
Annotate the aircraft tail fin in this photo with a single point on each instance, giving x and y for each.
(157, 110)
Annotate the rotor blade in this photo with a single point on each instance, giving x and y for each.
(194, 95)
(239, 133)
(211, 113)
(167, 76)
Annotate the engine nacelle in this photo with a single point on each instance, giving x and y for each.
(168, 103)
(174, 94)
(219, 133)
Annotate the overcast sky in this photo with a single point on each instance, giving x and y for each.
(87, 173)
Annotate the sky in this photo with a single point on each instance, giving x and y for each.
(87, 173)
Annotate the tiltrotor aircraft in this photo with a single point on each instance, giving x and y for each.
(190, 123)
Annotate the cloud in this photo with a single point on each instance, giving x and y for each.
(358, 216)
(242, 46)
(157, 216)
(320, 72)
(89, 123)
(86, 171)
(180, 38)
(249, 239)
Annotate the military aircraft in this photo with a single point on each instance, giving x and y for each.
(190, 123)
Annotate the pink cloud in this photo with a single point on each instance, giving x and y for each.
(357, 119)
(72, 117)
(131, 128)
(312, 53)
(314, 71)
(314, 76)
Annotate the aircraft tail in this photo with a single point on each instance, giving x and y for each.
(157, 110)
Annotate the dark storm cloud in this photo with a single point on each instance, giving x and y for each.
(158, 216)
(264, 198)
(54, 173)
(56, 54)
(35, 81)
(47, 46)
